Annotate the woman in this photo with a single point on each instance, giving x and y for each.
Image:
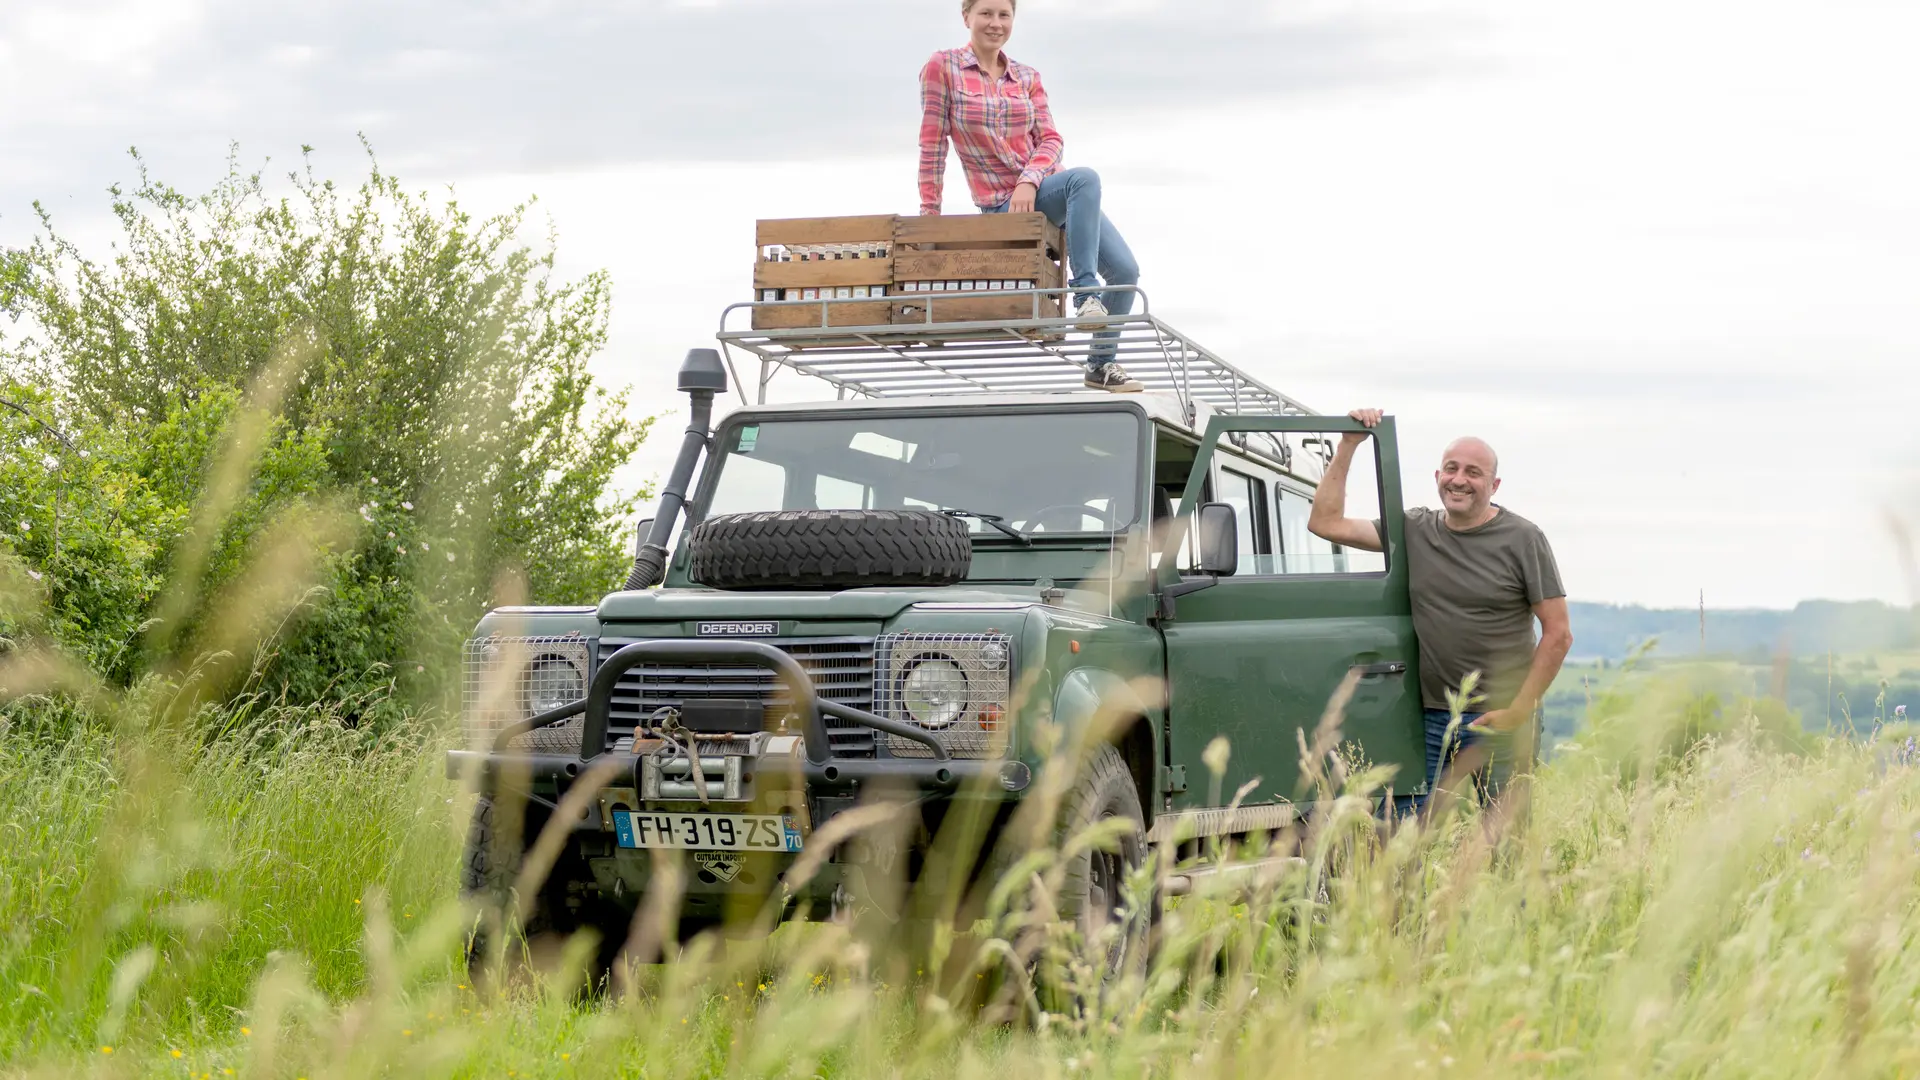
(995, 111)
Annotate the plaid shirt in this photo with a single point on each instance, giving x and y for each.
(1001, 127)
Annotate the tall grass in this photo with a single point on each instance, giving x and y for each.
(283, 905)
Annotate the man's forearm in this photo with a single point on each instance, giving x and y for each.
(1547, 658)
(1330, 498)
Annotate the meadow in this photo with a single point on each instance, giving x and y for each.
(281, 903)
(247, 514)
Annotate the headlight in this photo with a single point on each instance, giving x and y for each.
(550, 682)
(935, 691)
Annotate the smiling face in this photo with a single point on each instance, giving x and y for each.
(1469, 475)
(990, 23)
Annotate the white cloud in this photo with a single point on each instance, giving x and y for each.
(1662, 255)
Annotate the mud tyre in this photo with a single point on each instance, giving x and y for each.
(828, 549)
(1105, 928)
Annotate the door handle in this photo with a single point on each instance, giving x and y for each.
(1391, 667)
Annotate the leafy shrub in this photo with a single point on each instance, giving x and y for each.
(247, 370)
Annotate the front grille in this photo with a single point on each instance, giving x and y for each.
(841, 669)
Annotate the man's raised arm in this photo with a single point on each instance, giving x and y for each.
(1329, 520)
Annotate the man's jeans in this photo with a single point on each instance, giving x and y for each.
(1094, 254)
(1513, 753)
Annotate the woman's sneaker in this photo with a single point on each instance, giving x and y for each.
(1090, 308)
(1114, 379)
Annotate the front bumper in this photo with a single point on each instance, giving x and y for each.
(822, 771)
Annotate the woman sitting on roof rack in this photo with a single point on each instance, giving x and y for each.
(995, 110)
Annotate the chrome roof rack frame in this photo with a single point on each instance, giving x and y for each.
(1042, 354)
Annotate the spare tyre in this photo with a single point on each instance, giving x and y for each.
(829, 549)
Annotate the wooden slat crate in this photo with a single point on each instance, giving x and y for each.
(877, 230)
(974, 248)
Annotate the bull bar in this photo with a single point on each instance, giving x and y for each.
(821, 768)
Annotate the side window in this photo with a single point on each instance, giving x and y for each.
(1248, 497)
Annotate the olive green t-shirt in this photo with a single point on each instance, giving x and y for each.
(1473, 596)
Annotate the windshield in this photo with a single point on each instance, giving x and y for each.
(1042, 473)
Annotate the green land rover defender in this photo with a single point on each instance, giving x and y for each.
(958, 591)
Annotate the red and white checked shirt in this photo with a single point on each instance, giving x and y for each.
(1001, 127)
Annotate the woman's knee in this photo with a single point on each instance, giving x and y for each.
(1082, 179)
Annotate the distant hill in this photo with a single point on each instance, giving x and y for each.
(1812, 628)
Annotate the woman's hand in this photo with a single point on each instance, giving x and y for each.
(1022, 200)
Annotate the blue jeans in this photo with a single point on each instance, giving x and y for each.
(1096, 253)
(1511, 752)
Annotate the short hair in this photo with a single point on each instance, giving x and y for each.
(966, 6)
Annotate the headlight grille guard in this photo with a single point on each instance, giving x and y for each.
(986, 659)
(495, 690)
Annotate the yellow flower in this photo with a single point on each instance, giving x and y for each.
(246, 1031)
(566, 1057)
(106, 1049)
(406, 1031)
(226, 1072)
(177, 1055)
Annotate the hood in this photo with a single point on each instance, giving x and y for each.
(850, 604)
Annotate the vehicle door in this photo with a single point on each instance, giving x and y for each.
(1256, 656)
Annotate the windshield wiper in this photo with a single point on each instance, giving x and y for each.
(993, 520)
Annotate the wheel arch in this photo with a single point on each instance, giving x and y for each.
(1090, 696)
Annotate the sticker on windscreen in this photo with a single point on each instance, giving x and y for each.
(749, 438)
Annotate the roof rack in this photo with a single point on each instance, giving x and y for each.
(1039, 354)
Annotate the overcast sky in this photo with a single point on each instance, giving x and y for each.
(1664, 254)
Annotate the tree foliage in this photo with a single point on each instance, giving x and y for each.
(421, 369)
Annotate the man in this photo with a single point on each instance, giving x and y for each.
(1481, 575)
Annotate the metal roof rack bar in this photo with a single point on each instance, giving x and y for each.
(1040, 354)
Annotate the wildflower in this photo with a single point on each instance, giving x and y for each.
(356, 900)
(566, 1057)
(406, 506)
(449, 556)
(106, 1049)
(406, 1031)
(424, 546)
(389, 535)
(26, 526)
(401, 550)
(246, 1031)
(177, 1055)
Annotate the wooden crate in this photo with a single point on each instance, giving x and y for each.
(877, 229)
(974, 247)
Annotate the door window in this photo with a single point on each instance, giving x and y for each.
(1301, 552)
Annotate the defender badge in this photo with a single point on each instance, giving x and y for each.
(738, 629)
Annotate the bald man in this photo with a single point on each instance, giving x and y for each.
(1481, 576)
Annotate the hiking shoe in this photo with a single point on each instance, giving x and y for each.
(1090, 308)
(1114, 379)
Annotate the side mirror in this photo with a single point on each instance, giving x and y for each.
(1219, 539)
(640, 534)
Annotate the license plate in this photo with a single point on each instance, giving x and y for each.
(706, 832)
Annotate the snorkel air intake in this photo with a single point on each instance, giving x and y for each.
(702, 375)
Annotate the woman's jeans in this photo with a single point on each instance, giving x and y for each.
(1095, 252)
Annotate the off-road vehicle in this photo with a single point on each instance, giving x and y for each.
(928, 589)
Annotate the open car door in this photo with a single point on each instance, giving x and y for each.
(1257, 654)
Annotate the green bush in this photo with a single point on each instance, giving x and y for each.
(379, 378)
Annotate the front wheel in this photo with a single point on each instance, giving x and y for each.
(1106, 928)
